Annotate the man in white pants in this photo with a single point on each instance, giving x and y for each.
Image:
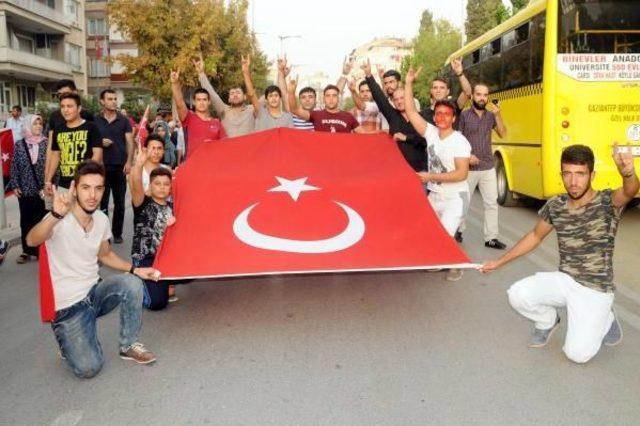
(448, 153)
(586, 222)
(476, 124)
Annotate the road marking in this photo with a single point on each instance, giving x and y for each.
(70, 418)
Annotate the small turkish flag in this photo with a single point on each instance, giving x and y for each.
(142, 128)
(6, 151)
(290, 201)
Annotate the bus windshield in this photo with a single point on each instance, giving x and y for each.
(599, 26)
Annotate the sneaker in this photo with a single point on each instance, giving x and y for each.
(173, 299)
(117, 240)
(4, 246)
(454, 274)
(458, 236)
(495, 244)
(541, 337)
(138, 353)
(614, 335)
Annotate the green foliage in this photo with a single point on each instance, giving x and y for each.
(482, 15)
(502, 13)
(517, 5)
(436, 40)
(135, 102)
(171, 33)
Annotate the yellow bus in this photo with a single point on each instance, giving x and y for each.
(564, 72)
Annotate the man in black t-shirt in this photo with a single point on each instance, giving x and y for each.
(117, 143)
(74, 141)
(56, 119)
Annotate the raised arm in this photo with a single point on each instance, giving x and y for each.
(251, 91)
(527, 244)
(283, 72)
(630, 183)
(465, 94)
(357, 100)
(418, 123)
(135, 177)
(217, 101)
(293, 102)
(376, 92)
(178, 98)
(347, 65)
(499, 128)
(62, 203)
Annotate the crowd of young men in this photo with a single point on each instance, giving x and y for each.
(449, 149)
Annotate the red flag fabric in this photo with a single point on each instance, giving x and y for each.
(142, 129)
(6, 147)
(47, 300)
(290, 201)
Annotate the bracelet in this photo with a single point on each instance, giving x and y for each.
(133, 268)
(460, 75)
(633, 172)
(56, 215)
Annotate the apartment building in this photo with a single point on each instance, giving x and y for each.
(41, 41)
(105, 41)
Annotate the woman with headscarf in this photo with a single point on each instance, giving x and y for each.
(27, 180)
(162, 129)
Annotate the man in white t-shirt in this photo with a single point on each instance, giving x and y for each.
(76, 236)
(448, 153)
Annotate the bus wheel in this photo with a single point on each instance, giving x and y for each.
(506, 197)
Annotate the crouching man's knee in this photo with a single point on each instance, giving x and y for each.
(580, 354)
(88, 368)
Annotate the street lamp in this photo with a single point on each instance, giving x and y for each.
(283, 38)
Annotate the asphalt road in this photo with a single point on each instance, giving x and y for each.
(344, 349)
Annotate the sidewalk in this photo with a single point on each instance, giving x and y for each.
(12, 232)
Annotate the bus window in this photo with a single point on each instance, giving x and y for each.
(476, 56)
(516, 64)
(522, 33)
(606, 26)
(537, 47)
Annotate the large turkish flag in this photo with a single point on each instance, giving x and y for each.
(291, 201)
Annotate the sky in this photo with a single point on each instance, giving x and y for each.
(330, 29)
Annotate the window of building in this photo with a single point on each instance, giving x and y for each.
(5, 98)
(72, 10)
(26, 96)
(98, 68)
(97, 26)
(73, 53)
(23, 43)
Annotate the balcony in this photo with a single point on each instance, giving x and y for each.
(30, 67)
(36, 17)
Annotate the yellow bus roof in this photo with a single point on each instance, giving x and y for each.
(533, 8)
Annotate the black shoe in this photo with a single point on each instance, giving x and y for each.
(495, 244)
(458, 236)
(117, 240)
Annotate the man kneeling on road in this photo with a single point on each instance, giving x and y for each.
(586, 222)
(76, 236)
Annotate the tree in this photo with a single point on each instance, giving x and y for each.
(482, 15)
(436, 40)
(170, 33)
(502, 13)
(517, 5)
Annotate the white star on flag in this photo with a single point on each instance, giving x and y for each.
(5, 157)
(293, 187)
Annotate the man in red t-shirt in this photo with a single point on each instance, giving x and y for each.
(199, 125)
(331, 118)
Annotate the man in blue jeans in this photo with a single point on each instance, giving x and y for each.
(76, 237)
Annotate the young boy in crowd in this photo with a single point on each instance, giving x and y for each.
(152, 213)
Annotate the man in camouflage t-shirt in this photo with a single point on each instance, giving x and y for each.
(586, 222)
